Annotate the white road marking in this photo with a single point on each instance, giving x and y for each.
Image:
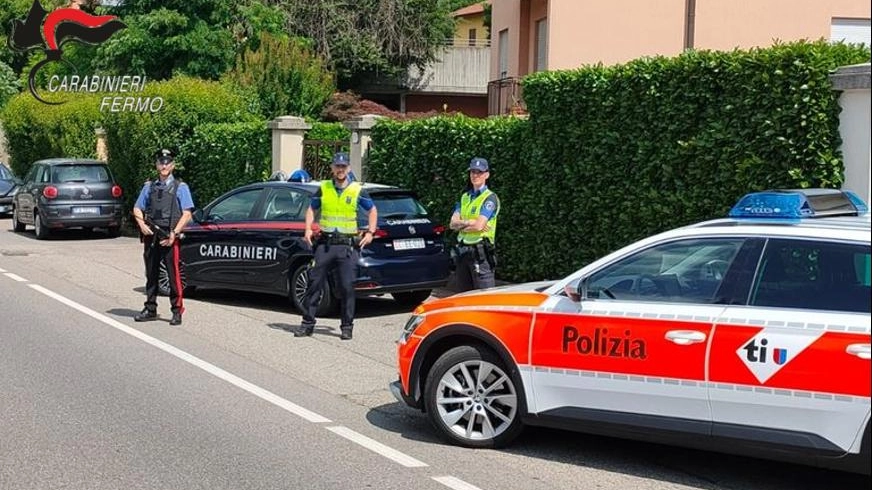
(14, 277)
(455, 483)
(2, 270)
(356, 437)
(205, 366)
(377, 447)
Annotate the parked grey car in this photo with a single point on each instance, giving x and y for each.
(9, 185)
(62, 193)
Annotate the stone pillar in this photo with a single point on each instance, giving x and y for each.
(287, 143)
(855, 126)
(102, 149)
(361, 130)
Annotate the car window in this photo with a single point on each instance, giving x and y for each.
(814, 275)
(5, 174)
(398, 206)
(286, 205)
(42, 174)
(685, 271)
(237, 207)
(79, 173)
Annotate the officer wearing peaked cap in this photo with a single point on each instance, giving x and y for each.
(162, 211)
(475, 220)
(337, 246)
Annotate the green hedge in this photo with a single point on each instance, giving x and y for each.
(223, 156)
(613, 154)
(134, 137)
(35, 130)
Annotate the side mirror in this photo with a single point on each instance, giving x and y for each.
(198, 216)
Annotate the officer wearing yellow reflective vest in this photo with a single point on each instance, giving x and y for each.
(475, 220)
(337, 244)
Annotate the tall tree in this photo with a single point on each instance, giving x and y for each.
(364, 39)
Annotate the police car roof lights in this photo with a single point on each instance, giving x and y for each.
(799, 203)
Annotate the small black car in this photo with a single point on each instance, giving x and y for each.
(251, 239)
(8, 187)
(61, 193)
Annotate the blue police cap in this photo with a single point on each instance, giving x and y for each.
(479, 164)
(341, 158)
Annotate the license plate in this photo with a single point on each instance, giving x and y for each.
(408, 243)
(86, 210)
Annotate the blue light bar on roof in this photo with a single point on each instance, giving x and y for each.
(798, 203)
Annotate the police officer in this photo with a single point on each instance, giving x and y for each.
(475, 220)
(336, 247)
(162, 211)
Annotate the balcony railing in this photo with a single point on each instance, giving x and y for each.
(460, 42)
(505, 96)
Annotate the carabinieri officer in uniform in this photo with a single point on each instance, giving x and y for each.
(337, 245)
(162, 211)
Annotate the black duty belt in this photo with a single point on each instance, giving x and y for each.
(340, 240)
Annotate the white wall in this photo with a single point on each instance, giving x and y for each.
(855, 127)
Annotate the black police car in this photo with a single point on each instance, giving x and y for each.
(251, 239)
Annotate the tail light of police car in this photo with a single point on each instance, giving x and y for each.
(439, 229)
(380, 233)
(50, 192)
(116, 191)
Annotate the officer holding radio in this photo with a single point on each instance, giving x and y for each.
(475, 220)
(336, 247)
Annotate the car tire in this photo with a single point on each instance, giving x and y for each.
(163, 279)
(491, 421)
(412, 298)
(298, 287)
(42, 232)
(17, 225)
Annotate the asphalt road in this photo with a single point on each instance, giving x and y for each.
(231, 399)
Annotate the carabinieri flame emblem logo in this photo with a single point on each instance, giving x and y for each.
(61, 26)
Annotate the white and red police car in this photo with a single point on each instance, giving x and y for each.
(749, 334)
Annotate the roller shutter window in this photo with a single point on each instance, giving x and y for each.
(855, 31)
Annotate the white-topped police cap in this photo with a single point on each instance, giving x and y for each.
(164, 155)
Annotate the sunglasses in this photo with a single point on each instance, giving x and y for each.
(476, 172)
(164, 164)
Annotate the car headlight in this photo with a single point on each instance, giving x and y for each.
(410, 327)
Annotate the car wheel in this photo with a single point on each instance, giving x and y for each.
(299, 286)
(42, 232)
(471, 399)
(412, 298)
(163, 279)
(17, 225)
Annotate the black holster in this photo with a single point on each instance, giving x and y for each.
(490, 253)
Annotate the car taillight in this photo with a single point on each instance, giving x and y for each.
(50, 192)
(116, 191)
(380, 233)
(439, 229)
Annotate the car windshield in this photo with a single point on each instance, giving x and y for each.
(78, 172)
(398, 206)
(5, 174)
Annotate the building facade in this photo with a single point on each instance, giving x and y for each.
(534, 35)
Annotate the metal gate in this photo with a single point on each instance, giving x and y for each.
(317, 155)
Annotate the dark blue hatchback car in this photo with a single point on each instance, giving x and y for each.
(251, 239)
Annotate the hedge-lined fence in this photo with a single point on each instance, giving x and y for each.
(607, 156)
(612, 154)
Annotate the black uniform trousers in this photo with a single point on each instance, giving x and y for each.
(153, 254)
(473, 269)
(329, 257)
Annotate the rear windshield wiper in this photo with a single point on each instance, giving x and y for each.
(77, 181)
(394, 215)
